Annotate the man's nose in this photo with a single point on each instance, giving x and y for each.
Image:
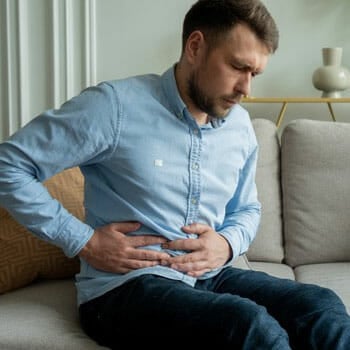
(244, 83)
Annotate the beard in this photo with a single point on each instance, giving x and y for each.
(202, 101)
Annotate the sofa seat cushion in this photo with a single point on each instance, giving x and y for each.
(42, 315)
(274, 269)
(242, 262)
(335, 276)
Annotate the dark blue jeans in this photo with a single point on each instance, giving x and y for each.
(237, 309)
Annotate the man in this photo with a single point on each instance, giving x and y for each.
(169, 164)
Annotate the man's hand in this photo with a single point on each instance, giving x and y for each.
(111, 250)
(210, 250)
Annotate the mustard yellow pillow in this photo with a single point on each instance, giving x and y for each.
(25, 258)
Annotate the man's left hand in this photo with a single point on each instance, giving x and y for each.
(206, 252)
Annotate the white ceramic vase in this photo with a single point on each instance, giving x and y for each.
(332, 77)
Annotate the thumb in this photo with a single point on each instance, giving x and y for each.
(196, 228)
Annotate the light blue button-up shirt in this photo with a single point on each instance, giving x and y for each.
(145, 159)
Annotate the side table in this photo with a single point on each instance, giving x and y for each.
(285, 100)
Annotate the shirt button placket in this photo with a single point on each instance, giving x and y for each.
(195, 179)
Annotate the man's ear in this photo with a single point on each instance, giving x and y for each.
(195, 46)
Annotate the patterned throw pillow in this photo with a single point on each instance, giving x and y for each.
(25, 258)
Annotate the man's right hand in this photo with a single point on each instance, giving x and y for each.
(110, 249)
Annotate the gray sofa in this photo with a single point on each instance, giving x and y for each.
(303, 179)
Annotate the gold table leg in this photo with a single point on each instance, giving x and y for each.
(281, 114)
(331, 111)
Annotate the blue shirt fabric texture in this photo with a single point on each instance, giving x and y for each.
(144, 158)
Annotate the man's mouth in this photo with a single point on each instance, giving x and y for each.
(231, 101)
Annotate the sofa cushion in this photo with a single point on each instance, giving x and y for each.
(316, 191)
(274, 269)
(42, 316)
(333, 275)
(23, 257)
(268, 244)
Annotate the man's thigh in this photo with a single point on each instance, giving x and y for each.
(153, 308)
(286, 300)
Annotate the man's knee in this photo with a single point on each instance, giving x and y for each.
(258, 329)
(316, 298)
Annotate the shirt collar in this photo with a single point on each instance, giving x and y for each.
(175, 101)
(172, 93)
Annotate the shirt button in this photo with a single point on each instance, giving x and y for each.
(194, 200)
(195, 131)
(195, 166)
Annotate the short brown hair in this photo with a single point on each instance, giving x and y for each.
(214, 18)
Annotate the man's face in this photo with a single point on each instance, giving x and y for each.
(221, 76)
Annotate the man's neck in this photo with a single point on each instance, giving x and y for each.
(181, 82)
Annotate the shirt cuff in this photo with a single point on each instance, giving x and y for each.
(74, 236)
(234, 241)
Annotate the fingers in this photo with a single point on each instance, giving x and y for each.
(190, 244)
(116, 251)
(150, 255)
(130, 265)
(111, 249)
(142, 258)
(196, 228)
(203, 253)
(188, 264)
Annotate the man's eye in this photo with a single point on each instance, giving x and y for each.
(244, 69)
(236, 67)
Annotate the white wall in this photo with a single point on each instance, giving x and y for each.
(305, 27)
(46, 56)
(51, 49)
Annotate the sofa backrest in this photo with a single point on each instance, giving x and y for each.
(315, 167)
(268, 244)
